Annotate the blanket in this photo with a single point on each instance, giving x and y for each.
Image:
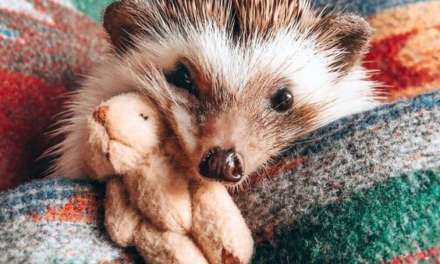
(364, 189)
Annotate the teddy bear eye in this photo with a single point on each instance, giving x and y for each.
(143, 116)
(181, 78)
(282, 100)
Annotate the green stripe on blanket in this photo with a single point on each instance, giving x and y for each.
(394, 218)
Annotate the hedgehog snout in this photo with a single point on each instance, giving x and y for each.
(222, 165)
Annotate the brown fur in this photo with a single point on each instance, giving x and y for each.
(127, 18)
(349, 33)
(266, 17)
(244, 18)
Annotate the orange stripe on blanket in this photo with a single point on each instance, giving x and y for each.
(79, 209)
(272, 170)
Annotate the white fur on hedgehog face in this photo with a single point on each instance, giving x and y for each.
(287, 56)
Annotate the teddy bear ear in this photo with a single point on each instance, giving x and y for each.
(120, 24)
(349, 34)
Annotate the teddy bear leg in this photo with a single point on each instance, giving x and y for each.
(161, 196)
(218, 226)
(125, 227)
(166, 247)
(121, 219)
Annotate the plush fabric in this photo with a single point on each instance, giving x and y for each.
(364, 189)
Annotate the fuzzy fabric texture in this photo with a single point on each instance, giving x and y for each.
(364, 189)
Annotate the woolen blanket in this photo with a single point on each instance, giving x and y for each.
(364, 189)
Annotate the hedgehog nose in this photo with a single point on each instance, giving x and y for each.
(222, 165)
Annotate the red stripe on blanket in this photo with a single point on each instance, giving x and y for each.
(27, 105)
(392, 72)
(432, 254)
(405, 48)
(79, 209)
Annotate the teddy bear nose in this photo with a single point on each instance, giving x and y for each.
(222, 165)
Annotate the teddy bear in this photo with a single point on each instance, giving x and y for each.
(152, 202)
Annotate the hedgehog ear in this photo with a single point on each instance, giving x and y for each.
(348, 33)
(121, 25)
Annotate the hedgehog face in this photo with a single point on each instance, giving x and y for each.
(238, 81)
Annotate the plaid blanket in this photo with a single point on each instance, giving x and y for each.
(363, 189)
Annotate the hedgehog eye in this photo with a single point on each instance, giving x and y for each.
(282, 100)
(181, 78)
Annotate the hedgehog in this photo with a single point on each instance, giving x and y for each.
(235, 81)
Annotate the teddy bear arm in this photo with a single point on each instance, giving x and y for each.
(97, 164)
(121, 219)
